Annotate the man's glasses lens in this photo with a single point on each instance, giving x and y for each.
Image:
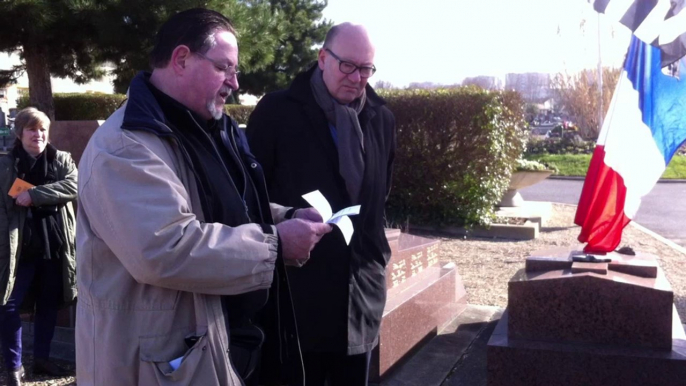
(349, 68)
(366, 72)
(228, 70)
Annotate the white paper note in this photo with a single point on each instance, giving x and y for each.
(345, 225)
(317, 200)
(349, 211)
(340, 219)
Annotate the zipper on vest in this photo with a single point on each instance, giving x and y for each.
(226, 170)
(246, 175)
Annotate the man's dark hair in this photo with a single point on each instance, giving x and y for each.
(194, 28)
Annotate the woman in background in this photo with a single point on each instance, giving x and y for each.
(37, 228)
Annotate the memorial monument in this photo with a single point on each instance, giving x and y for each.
(588, 323)
(423, 296)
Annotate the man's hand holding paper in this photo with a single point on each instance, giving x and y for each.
(310, 214)
(340, 218)
(299, 235)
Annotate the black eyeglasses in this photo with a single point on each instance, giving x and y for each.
(229, 71)
(349, 68)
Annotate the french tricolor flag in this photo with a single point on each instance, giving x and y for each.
(644, 127)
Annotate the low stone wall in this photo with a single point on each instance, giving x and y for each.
(72, 136)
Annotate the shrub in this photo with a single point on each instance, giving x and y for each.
(534, 165)
(456, 151)
(81, 107)
(239, 113)
(574, 145)
(529, 166)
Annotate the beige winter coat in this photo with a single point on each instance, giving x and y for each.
(150, 271)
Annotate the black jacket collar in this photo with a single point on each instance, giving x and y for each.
(142, 109)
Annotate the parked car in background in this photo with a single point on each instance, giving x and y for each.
(564, 130)
(541, 130)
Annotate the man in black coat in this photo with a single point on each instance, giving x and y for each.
(330, 132)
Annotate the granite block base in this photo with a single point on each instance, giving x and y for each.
(426, 304)
(531, 363)
(592, 302)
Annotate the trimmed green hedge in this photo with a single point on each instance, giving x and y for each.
(560, 146)
(81, 107)
(456, 151)
(239, 112)
(456, 148)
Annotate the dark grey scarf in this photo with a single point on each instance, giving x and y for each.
(350, 137)
(41, 235)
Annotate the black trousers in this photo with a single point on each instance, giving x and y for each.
(48, 275)
(336, 369)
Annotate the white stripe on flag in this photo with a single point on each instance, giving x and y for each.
(617, 8)
(602, 137)
(673, 27)
(630, 149)
(652, 25)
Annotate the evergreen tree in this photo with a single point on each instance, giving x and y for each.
(298, 30)
(276, 38)
(129, 33)
(56, 37)
(73, 38)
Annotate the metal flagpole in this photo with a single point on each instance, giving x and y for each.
(600, 82)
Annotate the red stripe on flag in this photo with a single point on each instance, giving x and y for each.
(601, 207)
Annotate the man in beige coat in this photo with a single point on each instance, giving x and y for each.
(175, 233)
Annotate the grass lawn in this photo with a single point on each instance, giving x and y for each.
(577, 164)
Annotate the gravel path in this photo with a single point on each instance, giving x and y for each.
(486, 265)
(40, 380)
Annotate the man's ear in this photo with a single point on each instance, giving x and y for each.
(179, 58)
(320, 58)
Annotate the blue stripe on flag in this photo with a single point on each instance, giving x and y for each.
(662, 98)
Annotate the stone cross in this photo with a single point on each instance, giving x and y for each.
(639, 265)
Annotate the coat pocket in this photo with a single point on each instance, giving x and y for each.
(196, 366)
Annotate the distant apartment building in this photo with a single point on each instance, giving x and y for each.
(8, 99)
(485, 82)
(535, 87)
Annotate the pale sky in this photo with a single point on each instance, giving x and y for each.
(444, 41)
(59, 84)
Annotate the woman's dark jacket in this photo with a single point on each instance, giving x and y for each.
(12, 218)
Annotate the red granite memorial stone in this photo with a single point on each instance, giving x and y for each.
(571, 323)
(72, 136)
(423, 297)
